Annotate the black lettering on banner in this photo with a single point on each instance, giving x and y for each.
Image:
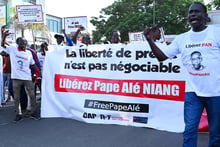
(121, 53)
(144, 54)
(129, 67)
(116, 106)
(122, 66)
(89, 115)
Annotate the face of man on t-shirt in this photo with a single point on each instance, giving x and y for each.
(196, 59)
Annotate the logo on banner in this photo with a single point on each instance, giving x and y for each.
(142, 120)
(87, 115)
(125, 107)
(105, 117)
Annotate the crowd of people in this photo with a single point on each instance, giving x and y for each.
(22, 68)
(202, 91)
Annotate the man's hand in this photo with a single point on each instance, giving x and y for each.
(63, 30)
(3, 28)
(148, 33)
(6, 33)
(81, 28)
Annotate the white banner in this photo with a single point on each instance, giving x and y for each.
(71, 24)
(29, 13)
(113, 84)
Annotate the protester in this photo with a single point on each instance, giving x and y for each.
(41, 54)
(115, 37)
(202, 85)
(21, 61)
(60, 39)
(86, 39)
(41, 57)
(6, 76)
(24, 99)
(6, 71)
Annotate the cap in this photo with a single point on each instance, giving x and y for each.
(58, 35)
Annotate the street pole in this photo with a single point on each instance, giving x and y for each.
(154, 13)
(7, 14)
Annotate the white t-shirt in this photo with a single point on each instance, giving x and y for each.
(41, 59)
(200, 53)
(20, 63)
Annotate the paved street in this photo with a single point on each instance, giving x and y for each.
(60, 132)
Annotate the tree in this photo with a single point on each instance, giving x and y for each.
(134, 15)
(216, 4)
(122, 15)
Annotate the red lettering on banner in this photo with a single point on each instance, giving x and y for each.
(157, 89)
(206, 44)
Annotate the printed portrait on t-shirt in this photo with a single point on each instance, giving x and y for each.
(196, 59)
(20, 63)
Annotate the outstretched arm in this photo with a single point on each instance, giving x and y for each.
(4, 35)
(64, 32)
(3, 28)
(68, 39)
(155, 49)
(74, 38)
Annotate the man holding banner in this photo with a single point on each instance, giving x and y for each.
(203, 86)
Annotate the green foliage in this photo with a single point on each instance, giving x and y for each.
(216, 4)
(134, 15)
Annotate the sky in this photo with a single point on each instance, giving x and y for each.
(72, 8)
